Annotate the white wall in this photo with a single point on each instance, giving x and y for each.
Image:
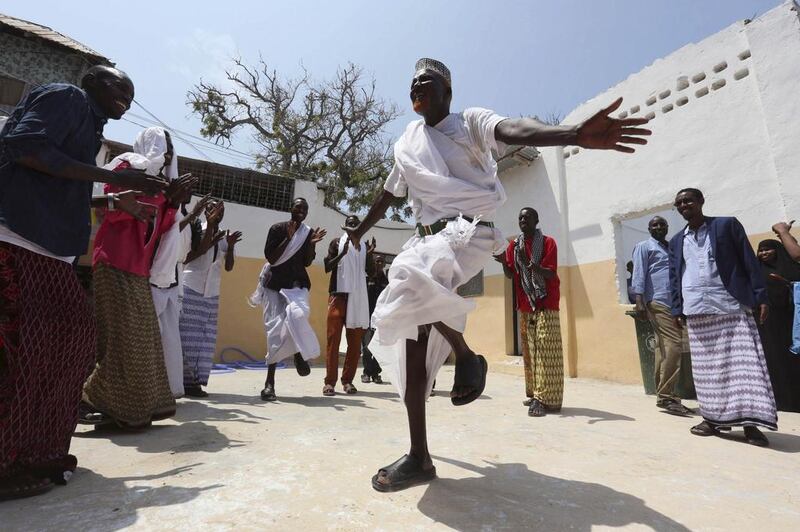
(737, 143)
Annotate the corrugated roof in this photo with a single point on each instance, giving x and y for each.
(51, 36)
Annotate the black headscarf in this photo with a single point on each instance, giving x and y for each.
(779, 293)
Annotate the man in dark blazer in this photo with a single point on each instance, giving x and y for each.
(717, 288)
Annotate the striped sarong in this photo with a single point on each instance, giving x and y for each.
(730, 372)
(198, 325)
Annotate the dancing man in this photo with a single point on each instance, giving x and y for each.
(443, 163)
(283, 291)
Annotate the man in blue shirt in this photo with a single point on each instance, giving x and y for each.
(717, 290)
(47, 334)
(650, 286)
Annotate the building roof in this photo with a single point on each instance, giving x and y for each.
(49, 35)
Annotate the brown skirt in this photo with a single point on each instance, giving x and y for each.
(129, 382)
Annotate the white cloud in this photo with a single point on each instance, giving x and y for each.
(201, 54)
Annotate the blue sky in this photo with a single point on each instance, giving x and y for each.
(516, 57)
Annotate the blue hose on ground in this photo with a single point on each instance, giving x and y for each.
(229, 367)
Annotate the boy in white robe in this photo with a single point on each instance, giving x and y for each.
(444, 165)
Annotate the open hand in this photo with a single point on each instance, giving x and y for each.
(214, 216)
(180, 188)
(138, 180)
(200, 206)
(601, 132)
(126, 202)
(218, 236)
(371, 245)
(318, 235)
(233, 238)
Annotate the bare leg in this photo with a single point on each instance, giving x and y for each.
(416, 378)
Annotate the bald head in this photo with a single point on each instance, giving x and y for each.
(110, 88)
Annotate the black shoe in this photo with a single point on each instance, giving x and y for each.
(755, 437)
(268, 393)
(302, 367)
(377, 379)
(195, 391)
(365, 379)
(536, 409)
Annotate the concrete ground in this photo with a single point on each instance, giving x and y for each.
(608, 460)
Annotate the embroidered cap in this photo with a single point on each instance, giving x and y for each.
(434, 65)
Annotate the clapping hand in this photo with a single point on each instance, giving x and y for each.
(138, 180)
(602, 132)
(127, 202)
(233, 238)
(317, 235)
(179, 189)
(214, 215)
(371, 246)
(200, 206)
(218, 236)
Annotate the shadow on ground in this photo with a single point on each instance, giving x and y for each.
(192, 436)
(594, 415)
(95, 502)
(778, 441)
(512, 497)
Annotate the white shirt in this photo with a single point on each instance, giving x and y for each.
(7, 235)
(468, 157)
(202, 275)
(702, 288)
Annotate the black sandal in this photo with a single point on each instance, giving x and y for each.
(302, 367)
(536, 409)
(472, 379)
(402, 474)
(704, 429)
(268, 393)
(677, 409)
(755, 437)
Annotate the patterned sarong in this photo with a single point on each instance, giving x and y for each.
(48, 335)
(543, 356)
(730, 372)
(129, 382)
(198, 336)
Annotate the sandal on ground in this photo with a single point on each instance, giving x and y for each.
(23, 485)
(474, 377)
(677, 409)
(194, 391)
(328, 391)
(58, 471)
(377, 379)
(349, 389)
(89, 415)
(704, 429)
(268, 393)
(536, 409)
(302, 367)
(755, 437)
(402, 474)
(366, 379)
(527, 402)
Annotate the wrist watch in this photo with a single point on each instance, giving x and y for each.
(112, 200)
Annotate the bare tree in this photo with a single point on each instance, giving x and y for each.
(331, 131)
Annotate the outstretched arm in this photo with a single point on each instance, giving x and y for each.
(375, 214)
(599, 132)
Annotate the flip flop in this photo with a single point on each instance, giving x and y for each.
(477, 382)
(402, 474)
(677, 409)
(704, 429)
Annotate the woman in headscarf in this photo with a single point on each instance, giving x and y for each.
(129, 385)
(776, 333)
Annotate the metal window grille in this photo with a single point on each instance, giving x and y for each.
(473, 287)
(231, 184)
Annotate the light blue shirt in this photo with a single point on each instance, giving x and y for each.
(703, 289)
(651, 271)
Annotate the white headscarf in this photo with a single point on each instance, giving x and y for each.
(148, 154)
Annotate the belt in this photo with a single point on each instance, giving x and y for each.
(438, 225)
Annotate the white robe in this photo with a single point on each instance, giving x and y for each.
(423, 278)
(351, 279)
(286, 312)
